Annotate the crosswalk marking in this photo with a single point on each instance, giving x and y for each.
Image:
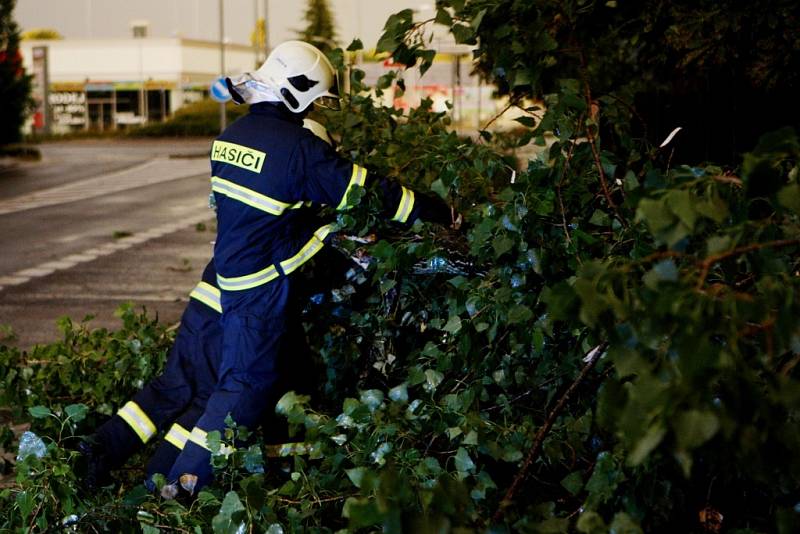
(150, 172)
(200, 214)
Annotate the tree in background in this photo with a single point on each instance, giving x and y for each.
(42, 34)
(723, 70)
(320, 27)
(15, 85)
(258, 38)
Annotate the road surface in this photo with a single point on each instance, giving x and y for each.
(97, 223)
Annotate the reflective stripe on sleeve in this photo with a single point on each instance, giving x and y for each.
(248, 281)
(359, 177)
(178, 436)
(132, 414)
(208, 295)
(405, 207)
(248, 196)
(313, 246)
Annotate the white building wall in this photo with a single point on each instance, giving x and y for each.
(130, 60)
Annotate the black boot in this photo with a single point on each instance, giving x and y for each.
(97, 464)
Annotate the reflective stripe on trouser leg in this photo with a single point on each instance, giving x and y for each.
(177, 436)
(208, 295)
(167, 451)
(249, 375)
(132, 414)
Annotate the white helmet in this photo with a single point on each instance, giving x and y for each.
(296, 73)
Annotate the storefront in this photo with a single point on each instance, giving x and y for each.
(115, 84)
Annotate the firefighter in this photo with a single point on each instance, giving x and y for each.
(177, 397)
(179, 394)
(269, 177)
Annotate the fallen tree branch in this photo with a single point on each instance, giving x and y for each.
(707, 263)
(591, 360)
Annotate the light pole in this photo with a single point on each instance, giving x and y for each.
(266, 28)
(223, 119)
(256, 28)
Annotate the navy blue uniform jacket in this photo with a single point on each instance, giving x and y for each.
(266, 170)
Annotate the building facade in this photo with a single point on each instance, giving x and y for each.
(117, 83)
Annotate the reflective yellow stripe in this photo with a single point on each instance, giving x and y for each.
(248, 196)
(208, 295)
(313, 246)
(301, 204)
(178, 436)
(241, 156)
(405, 207)
(238, 283)
(138, 421)
(198, 437)
(359, 177)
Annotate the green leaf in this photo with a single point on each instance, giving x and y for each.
(356, 475)
(76, 412)
(453, 324)
(254, 459)
(573, 482)
(646, 444)
(519, 314)
(443, 17)
(789, 198)
(501, 245)
(624, 524)
(655, 213)
(355, 45)
(362, 512)
(464, 463)
(695, 427)
(605, 478)
(439, 188)
(433, 379)
(230, 518)
(591, 522)
(463, 34)
(682, 204)
(290, 401)
(25, 501)
(718, 243)
(39, 412)
(663, 271)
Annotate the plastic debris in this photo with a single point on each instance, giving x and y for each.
(31, 445)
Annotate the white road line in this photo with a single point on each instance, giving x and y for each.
(151, 172)
(68, 262)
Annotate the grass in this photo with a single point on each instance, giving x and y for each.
(199, 119)
(20, 151)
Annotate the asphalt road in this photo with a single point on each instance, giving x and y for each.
(98, 223)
